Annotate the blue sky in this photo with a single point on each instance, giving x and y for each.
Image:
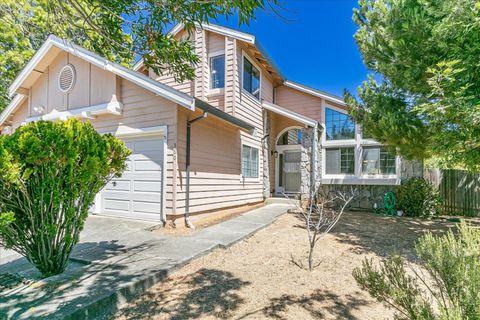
(312, 43)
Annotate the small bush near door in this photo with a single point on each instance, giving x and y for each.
(418, 198)
(50, 173)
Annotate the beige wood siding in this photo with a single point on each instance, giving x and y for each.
(20, 115)
(186, 86)
(215, 179)
(297, 101)
(92, 86)
(215, 42)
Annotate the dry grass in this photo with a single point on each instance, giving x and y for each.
(256, 279)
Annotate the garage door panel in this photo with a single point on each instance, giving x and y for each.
(146, 196)
(146, 165)
(146, 145)
(116, 205)
(138, 192)
(147, 186)
(118, 185)
(145, 207)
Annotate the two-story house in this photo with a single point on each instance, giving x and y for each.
(237, 134)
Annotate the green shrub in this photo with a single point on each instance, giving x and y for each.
(50, 173)
(450, 288)
(418, 198)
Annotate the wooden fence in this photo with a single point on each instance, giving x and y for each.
(459, 189)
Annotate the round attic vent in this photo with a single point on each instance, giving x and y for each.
(66, 78)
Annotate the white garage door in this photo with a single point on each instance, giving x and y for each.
(137, 194)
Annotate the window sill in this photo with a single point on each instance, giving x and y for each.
(249, 180)
(251, 96)
(375, 180)
(339, 143)
(215, 92)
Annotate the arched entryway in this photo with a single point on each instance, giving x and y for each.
(288, 154)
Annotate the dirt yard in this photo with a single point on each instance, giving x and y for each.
(257, 278)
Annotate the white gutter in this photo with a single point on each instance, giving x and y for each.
(314, 92)
(12, 106)
(290, 114)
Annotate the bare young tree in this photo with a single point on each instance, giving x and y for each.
(321, 214)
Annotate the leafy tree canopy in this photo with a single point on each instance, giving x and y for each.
(423, 95)
(117, 29)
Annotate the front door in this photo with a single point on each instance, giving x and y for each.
(288, 177)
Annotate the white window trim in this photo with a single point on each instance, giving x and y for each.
(245, 55)
(216, 91)
(255, 146)
(358, 143)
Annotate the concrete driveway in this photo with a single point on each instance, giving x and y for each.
(115, 261)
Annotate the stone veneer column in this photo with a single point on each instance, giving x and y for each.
(305, 162)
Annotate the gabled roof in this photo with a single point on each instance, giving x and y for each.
(138, 78)
(314, 92)
(228, 32)
(252, 40)
(290, 114)
(128, 74)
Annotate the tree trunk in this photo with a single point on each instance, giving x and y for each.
(310, 258)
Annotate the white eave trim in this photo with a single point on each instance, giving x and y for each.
(114, 108)
(289, 114)
(125, 132)
(246, 37)
(313, 92)
(12, 107)
(128, 74)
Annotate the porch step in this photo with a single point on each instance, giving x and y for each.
(282, 200)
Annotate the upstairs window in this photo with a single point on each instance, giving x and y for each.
(217, 72)
(249, 162)
(251, 78)
(339, 126)
(291, 137)
(376, 160)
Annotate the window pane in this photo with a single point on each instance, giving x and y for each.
(251, 78)
(217, 72)
(291, 137)
(332, 161)
(249, 162)
(340, 161)
(370, 161)
(339, 126)
(378, 161)
(387, 162)
(347, 160)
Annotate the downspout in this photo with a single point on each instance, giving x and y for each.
(188, 223)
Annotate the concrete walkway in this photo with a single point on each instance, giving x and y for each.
(115, 261)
